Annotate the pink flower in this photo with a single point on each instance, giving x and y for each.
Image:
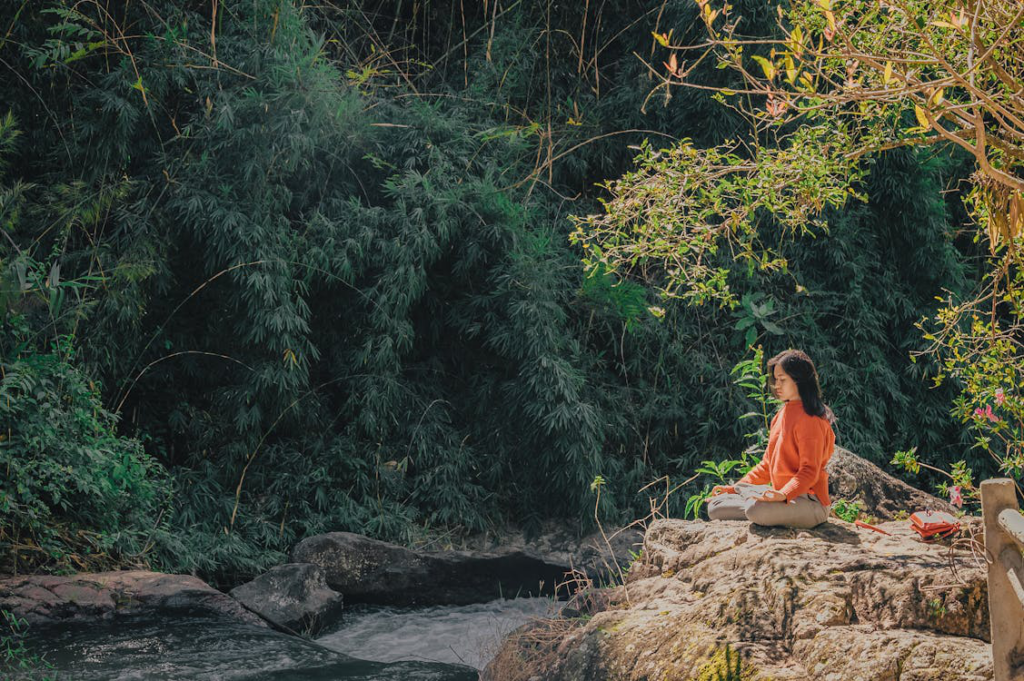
(1000, 396)
(986, 413)
(955, 496)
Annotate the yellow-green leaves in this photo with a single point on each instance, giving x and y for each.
(830, 17)
(956, 21)
(707, 14)
(85, 50)
(796, 42)
(686, 204)
(923, 125)
(922, 118)
(766, 66)
(787, 62)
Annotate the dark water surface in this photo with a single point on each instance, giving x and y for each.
(200, 648)
(369, 643)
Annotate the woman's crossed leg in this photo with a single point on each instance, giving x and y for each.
(803, 512)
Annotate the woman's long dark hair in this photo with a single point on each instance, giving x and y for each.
(800, 368)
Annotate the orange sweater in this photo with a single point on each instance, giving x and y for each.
(799, 446)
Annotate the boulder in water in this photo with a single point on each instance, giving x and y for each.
(293, 596)
(602, 556)
(366, 570)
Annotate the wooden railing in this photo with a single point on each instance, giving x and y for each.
(1004, 539)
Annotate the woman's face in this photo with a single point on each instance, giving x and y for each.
(785, 387)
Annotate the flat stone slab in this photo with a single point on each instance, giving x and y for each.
(51, 599)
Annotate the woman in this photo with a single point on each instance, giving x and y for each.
(789, 486)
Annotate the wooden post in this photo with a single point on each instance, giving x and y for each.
(1006, 612)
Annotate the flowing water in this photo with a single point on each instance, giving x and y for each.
(448, 643)
(465, 634)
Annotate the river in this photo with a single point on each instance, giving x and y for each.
(445, 643)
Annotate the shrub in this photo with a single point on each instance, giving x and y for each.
(74, 494)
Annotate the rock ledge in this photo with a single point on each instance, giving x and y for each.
(836, 603)
(51, 599)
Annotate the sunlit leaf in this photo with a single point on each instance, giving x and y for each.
(766, 66)
(922, 118)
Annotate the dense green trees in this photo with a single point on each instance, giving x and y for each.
(317, 262)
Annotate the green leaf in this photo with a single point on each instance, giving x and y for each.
(751, 336)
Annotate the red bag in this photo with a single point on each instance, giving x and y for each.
(932, 525)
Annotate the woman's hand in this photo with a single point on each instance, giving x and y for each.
(722, 489)
(772, 495)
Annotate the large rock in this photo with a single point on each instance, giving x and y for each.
(856, 479)
(370, 571)
(293, 596)
(48, 599)
(601, 556)
(831, 604)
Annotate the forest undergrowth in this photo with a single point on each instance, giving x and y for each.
(284, 269)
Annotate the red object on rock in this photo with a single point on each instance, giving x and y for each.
(863, 524)
(932, 525)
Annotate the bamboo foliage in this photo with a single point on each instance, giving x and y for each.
(323, 276)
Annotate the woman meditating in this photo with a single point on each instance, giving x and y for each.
(789, 486)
